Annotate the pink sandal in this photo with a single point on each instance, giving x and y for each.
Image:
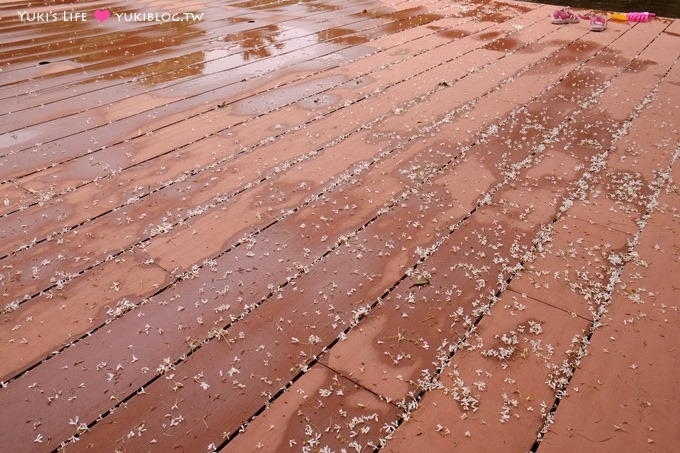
(564, 16)
(598, 23)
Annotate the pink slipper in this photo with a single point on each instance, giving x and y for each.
(598, 23)
(564, 16)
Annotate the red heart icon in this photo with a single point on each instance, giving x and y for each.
(102, 14)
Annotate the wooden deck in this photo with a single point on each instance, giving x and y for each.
(329, 225)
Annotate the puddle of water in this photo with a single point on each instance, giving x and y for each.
(258, 42)
(609, 57)
(226, 60)
(497, 18)
(573, 52)
(488, 35)
(504, 44)
(9, 140)
(405, 19)
(540, 46)
(166, 70)
(341, 36)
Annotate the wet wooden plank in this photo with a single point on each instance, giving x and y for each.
(80, 169)
(394, 344)
(84, 46)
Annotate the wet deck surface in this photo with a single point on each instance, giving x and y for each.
(327, 225)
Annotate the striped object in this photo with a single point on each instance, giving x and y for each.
(640, 17)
